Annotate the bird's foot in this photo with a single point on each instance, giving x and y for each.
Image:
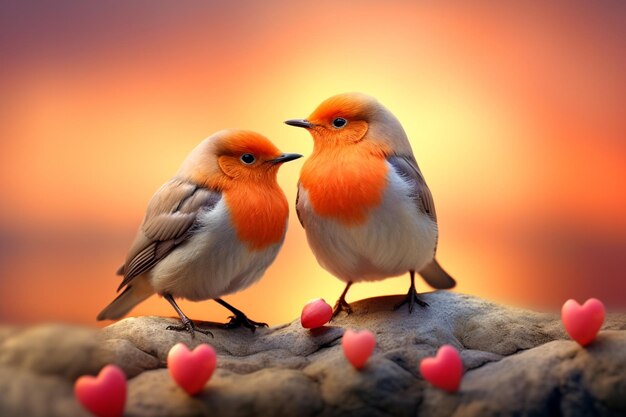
(341, 305)
(411, 299)
(189, 326)
(239, 320)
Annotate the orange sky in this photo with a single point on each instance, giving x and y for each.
(515, 114)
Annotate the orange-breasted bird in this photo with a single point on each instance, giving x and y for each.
(363, 201)
(212, 230)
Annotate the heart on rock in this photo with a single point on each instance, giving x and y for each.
(444, 370)
(191, 369)
(104, 395)
(583, 323)
(316, 313)
(358, 346)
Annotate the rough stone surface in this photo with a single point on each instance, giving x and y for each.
(517, 363)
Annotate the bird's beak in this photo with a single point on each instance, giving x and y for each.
(299, 123)
(286, 157)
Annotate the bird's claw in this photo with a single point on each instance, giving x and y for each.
(243, 320)
(190, 327)
(411, 299)
(341, 305)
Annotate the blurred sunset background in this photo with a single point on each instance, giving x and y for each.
(516, 114)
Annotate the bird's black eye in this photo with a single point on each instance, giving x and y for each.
(247, 158)
(339, 122)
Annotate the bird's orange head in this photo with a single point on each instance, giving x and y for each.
(243, 165)
(234, 156)
(354, 118)
(347, 174)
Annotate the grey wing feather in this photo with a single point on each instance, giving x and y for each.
(297, 209)
(406, 166)
(169, 221)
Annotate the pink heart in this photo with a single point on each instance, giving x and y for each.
(444, 370)
(583, 322)
(191, 370)
(316, 313)
(104, 395)
(358, 346)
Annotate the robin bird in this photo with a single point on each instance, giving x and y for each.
(363, 201)
(211, 230)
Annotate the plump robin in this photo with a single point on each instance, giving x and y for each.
(362, 199)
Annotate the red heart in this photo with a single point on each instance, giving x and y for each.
(444, 370)
(104, 395)
(583, 322)
(191, 370)
(316, 313)
(358, 346)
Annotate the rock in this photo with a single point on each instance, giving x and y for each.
(517, 363)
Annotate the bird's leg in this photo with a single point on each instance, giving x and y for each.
(412, 296)
(342, 304)
(239, 318)
(188, 324)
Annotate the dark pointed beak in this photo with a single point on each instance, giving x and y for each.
(286, 157)
(299, 123)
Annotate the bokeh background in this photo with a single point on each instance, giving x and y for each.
(516, 113)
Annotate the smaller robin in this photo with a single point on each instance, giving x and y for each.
(210, 231)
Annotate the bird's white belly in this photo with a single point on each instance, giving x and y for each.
(213, 262)
(395, 239)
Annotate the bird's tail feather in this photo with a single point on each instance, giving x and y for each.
(436, 277)
(129, 298)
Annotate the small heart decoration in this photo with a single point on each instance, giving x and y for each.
(104, 395)
(358, 346)
(583, 323)
(191, 370)
(316, 313)
(445, 370)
